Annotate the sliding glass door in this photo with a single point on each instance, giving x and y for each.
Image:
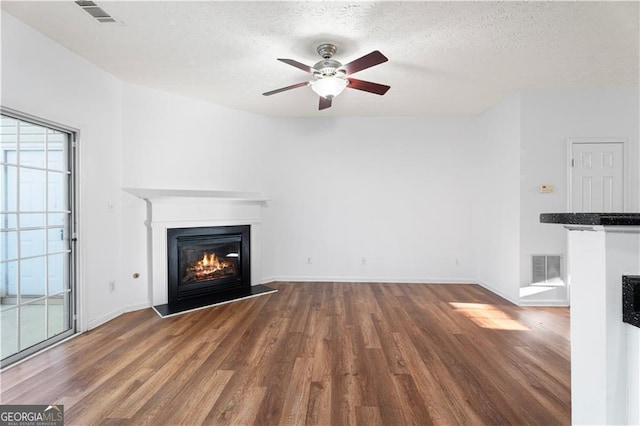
(36, 230)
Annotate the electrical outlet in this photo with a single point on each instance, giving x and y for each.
(309, 260)
(112, 286)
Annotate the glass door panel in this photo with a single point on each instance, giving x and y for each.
(36, 298)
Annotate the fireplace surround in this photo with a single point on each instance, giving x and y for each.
(179, 208)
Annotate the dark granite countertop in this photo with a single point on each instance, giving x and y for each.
(608, 219)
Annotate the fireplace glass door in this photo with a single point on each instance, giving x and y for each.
(206, 261)
(209, 260)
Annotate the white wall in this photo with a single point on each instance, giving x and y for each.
(548, 119)
(44, 79)
(495, 177)
(177, 142)
(392, 190)
(421, 199)
(174, 142)
(524, 145)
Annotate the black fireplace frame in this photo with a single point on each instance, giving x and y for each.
(178, 294)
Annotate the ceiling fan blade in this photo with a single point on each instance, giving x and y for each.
(282, 89)
(367, 61)
(296, 64)
(367, 86)
(324, 103)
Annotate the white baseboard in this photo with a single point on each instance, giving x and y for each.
(367, 280)
(526, 302)
(96, 322)
(138, 306)
(115, 314)
(498, 292)
(362, 280)
(541, 303)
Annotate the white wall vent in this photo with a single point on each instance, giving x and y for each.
(546, 270)
(97, 12)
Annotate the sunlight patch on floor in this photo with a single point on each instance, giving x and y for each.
(489, 316)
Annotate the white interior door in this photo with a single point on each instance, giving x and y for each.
(597, 177)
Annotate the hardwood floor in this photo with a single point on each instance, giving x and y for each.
(315, 353)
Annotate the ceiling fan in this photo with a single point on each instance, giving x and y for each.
(330, 77)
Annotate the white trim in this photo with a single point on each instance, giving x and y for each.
(137, 307)
(81, 295)
(499, 293)
(37, 119)
(154, 193)
(116, 313)
(626, 172)
(551, 303)
(104, 319)
(168, 224)
(360, 280)
(367, 280)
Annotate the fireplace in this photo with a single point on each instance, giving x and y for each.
(207, 263)
(175, 213)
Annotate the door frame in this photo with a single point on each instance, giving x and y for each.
(626, 176)
(75, 268)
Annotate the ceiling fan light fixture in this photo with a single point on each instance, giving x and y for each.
(329, 87)
(329, 77)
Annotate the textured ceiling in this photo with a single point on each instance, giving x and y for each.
(445, 58)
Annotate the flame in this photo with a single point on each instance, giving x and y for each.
(209, 267)
(211, 262)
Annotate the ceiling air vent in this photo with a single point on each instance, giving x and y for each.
(96, 11)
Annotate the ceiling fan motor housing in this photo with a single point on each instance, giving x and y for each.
(328, 68)
(327, 50)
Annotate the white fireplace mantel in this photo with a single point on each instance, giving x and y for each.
(156, 193)
(179, 208)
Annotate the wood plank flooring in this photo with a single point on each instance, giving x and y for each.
(315, 353)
